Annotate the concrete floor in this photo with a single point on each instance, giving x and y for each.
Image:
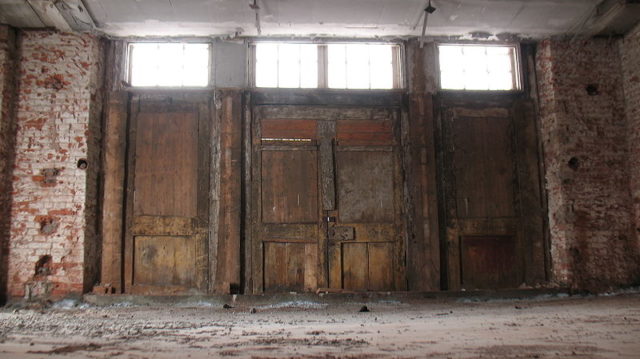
(313, 327)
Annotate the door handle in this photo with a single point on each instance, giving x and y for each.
(330, 219)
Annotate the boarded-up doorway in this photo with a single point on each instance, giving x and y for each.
(327, 190)
(490, 194)
(167, 195)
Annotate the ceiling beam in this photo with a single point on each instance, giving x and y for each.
(49, 15)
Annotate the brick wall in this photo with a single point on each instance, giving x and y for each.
(630, 51)
(52, 249)
(7, 136)
(584, 134)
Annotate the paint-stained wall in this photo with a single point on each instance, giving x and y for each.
(53, 240)
(584, 133)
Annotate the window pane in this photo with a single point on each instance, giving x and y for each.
(289, 65)
(381, 67)
(143, 64)
(267, 65)
(336, 54)
(286, 65)
(169, 64)
(308, 66)
(357, 66)
(474, 67)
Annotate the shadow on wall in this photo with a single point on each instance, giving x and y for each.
(8, 54)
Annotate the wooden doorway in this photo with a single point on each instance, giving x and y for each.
(327, 188)
(491, 203)
(166, 241)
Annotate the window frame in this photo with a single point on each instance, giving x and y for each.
(516, 61)
(397, 56)
(127, 67)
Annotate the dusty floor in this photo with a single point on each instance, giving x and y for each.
(591, 327)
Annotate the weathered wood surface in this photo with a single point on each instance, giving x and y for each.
(113, 198)
(229, 259)
(166, 242)
(359, 182)
(491, 193)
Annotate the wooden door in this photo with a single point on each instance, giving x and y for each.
(167, 196)
(491, 203)
(327, 182)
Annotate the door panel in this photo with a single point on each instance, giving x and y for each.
(484, 167)
(166, 173)
(167, 203)
(489, 261)
(365, 186)
(163, 260)
(289, 186)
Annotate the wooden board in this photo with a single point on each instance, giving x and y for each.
(489, 262)
(166, 164)
(284, 266)
(365, 186)
(365, 132)
(484, 167)
(355, 262)
(289, 187)
(164, 261)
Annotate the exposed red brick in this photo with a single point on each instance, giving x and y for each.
(58, 112)
(585, 140)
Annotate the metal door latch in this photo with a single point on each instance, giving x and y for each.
(330, 219)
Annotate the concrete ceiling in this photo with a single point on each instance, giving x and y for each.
(343, 18)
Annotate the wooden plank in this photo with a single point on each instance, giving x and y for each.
(289, 187)
(355, 271)
(334, 258)
(214, 194)
(489, 262)
(229, 257)
(365, 132)
(327, 131)
(484, 167)
(284, 266)
(364, 98)
(365, 182)
(164, 260)
(166, 164)
(115, 142)
(326, 113)
(310, 267)
(381, 269)
(304, 232)
(531, 199)
(286, 128)
(163, 226)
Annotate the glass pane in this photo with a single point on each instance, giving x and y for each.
(337, 66)
(267, 65)
(143, 64)
(289, 65)
(196, 65)
(452, 80)
(476, 67)
(308, 66)
(381, 76)
(501, 81)
(450, 58)
(357, 66)
(174, 64)
(170, 64)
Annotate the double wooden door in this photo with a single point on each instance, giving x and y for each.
(327, 192)
(167, 195)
